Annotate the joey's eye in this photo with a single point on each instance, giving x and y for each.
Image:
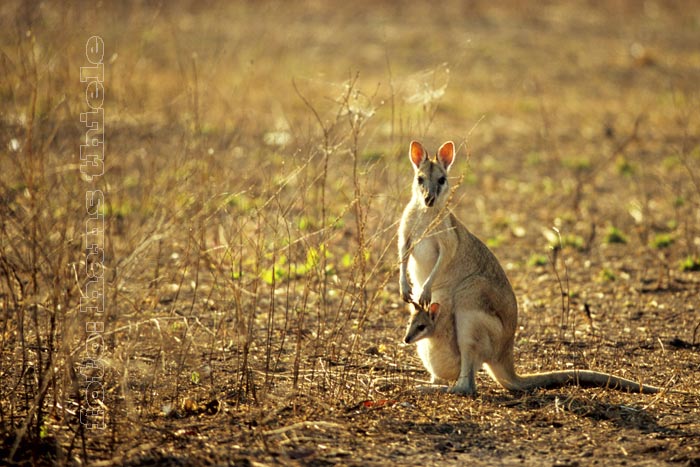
(420, 180)
(442, 180)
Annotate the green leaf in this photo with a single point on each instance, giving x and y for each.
(690, 264)
(661, 241)
(614, 235)
(537, 260)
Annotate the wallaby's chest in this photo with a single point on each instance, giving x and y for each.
(426, 251)
(422, 260)
(428, 242)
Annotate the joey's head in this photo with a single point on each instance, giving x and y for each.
(422, 322)
(430, 184)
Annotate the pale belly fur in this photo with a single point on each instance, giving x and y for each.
(440, 357)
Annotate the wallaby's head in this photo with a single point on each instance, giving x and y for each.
(430, 184)
(422, 322)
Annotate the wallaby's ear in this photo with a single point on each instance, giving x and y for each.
(446, 154)
(434, 310)
(417, 153)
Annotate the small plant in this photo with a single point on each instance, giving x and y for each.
(537, 260)
(557, 241)
(570, 240)
(690, 263)
(607, 275)
(306, 223)
(615, 235)
(661, 241)
(494, 242)
(624, 166)
(578, 164)
(347, 260)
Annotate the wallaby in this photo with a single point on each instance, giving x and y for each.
(441, 262)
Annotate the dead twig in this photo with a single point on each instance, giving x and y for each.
(305, 424)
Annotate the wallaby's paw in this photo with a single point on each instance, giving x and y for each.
(462, 390)
(425, 298)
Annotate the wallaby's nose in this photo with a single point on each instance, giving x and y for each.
(429, 200)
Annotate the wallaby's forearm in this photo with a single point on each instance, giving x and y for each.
(404, 253)
(426, 294)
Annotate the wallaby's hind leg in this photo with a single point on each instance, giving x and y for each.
(466, 384)
(465, 329)
(476, 332)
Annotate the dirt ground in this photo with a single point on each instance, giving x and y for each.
(254, 173)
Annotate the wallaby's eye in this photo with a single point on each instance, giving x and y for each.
(442, 180)
(420, 180)
(420, 328)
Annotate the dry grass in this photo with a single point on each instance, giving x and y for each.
(255, 171)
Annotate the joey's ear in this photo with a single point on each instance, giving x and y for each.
(446, 154)
(417, 153)
(434, 310)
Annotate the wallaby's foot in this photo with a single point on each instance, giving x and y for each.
(462, 391)
(465, 386)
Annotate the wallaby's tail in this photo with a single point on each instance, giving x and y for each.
(505, 375)
(583, 378)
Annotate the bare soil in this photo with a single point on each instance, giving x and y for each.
(255, 171)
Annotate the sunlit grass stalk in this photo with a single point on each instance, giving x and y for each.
(287, 295)
(271, 317)
(247, 382)
(564, 290)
